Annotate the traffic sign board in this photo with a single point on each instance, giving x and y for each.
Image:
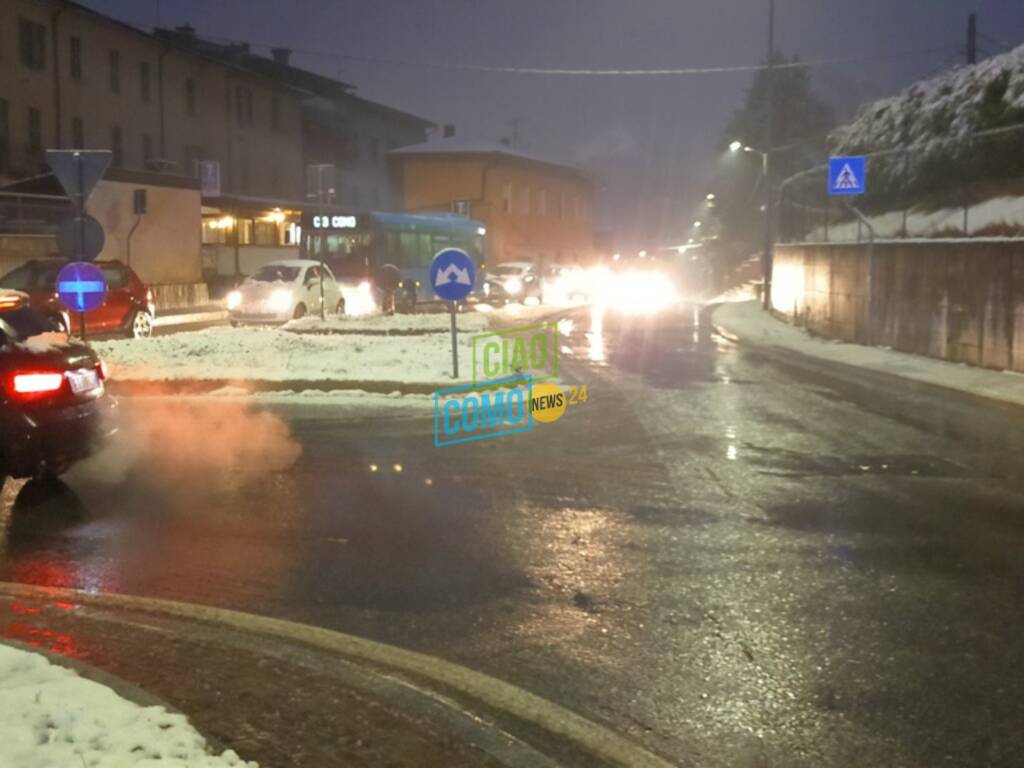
(452, 274)
(81, 286)
(78, 170)
(72, 228)
(847, 175)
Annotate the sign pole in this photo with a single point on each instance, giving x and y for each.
(80, 240)
(81, 325)
(455, 342)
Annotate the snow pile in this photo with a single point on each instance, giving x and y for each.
(272, 354)
(753, 325)
(999, 213)
(424, 322)
(50, 717)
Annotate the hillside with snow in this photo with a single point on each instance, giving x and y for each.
(939, 119)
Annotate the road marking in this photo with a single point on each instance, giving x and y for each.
(599, 741)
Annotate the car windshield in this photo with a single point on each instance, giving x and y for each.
(29, 277)
(544, 383)
(505, 270)
(276, 273)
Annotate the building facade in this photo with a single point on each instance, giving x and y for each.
(73, 78)
(534, 209)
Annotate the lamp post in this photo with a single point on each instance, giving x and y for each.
(769, 236)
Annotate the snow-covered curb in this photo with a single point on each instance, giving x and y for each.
(752, 325)
(49, 716)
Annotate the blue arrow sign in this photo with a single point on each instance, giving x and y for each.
(81, 286)
(847, 176)
(452, 274)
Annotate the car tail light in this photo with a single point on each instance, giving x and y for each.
(9, 301)
(26, 385)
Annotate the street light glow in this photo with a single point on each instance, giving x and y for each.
(736, 146)
(710, 196)
(697, 224)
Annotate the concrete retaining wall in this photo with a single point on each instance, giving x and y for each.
(958, 300)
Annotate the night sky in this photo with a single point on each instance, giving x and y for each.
(649, 140)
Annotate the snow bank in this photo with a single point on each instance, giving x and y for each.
(272, 354)
(425, 322)
(52, 718)
(751, 324)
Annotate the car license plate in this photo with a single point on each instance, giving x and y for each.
(83, 381)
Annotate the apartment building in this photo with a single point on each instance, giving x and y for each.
(71, 77)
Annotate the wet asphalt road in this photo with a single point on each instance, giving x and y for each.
(736, 562)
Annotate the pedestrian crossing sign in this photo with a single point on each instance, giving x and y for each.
(847, 176)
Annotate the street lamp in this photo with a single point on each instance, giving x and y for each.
(709, 196)
(697, 225)
(769, 235)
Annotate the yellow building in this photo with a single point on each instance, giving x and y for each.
(73, 78)
(534, 209)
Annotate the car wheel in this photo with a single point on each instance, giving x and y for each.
(141, 325)
(300, 311)
(340, 309)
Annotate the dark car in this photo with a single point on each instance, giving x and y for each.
(127, 309)
(54, 407)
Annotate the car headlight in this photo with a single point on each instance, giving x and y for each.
(364, 288)
(281, 300)
(487, 289)
(513, 285)
(234, 300)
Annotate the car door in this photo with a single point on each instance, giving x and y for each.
(113, 313)
(332, 291)
(311, 286)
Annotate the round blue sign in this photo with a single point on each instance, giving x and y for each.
(81, 286)
(452, 274)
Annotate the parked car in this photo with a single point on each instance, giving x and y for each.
(54, 407)
(514, 281)
(284, 290)
(128, 308)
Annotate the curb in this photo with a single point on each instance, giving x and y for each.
(869, 377)
(157, 388)
(589, 737)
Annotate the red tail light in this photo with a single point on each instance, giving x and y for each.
(30, 384)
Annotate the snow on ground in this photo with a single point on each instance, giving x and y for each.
(750, 323)
(52, 718)
(272, 354)
(433, 321)
(275, 354)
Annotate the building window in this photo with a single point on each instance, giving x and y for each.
(147, 147)
(190, 96)
(374, 149)
(5, 134)
(115, 71)
(35, 133)
(244, 175)
(506, 197)
(144, 80)
(243, 106)
(116, 146)
(75, 59)
(525, 202)
(275, 116)
(32, 44)
(77, 133)
(542, 202)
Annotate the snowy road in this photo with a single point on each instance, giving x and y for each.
(732, 562)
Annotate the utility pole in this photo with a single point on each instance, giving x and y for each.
(972, 39)
(769, 139)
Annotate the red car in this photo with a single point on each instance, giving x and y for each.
(128, 308)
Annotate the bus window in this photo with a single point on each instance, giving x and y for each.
(426, 253)
(409, 256)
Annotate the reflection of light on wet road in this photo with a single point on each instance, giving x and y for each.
(595, 337)
(730, 451)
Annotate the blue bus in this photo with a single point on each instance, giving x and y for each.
(362, 248)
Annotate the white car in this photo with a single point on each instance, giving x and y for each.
(285, 290)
